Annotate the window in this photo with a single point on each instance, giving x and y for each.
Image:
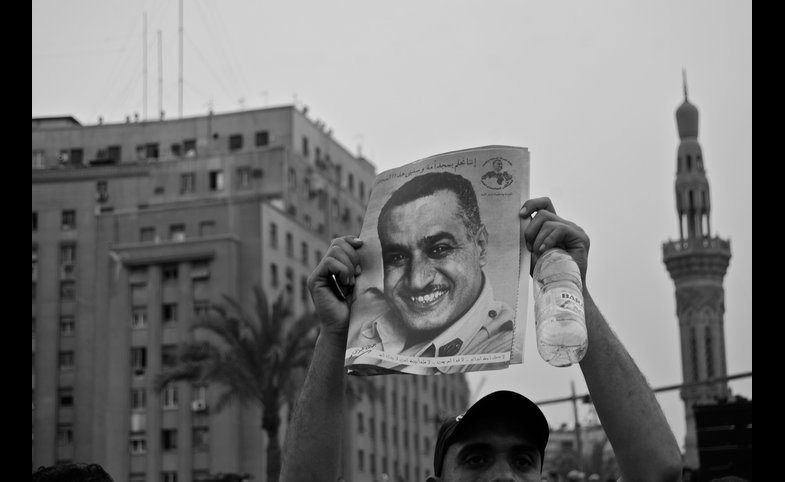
(318, 154)
(187, 182)
(201, 439)
(292, 178)
(138, 398)
(306, 151)
(169, 396)
(289, 245)
(67, 259)
(189, 146)
(360, 422)
(101, 191)
(65, 397)
(169, 355)
(289, 280)
(273, 235)
(169, 476)
(151, 150)
(67, 290)
(304, 252)
(243, 176)
(176, 150)
(114, 153)
(201, 308)
(235, 142)
(35, 263)
(66, 325)
(216, 180)
(360, 460)
(199, 393)
(350, 182)
(169, 272)
(66, 360)
(169, 313)
(177, 232)
(262, 138)
(146, 235)
(139, 360)
(206, 228)
(169, 439)
(362, 190)
(303, 288)
(65, 435)
(68, 220)
(317, 255)
(273, 276)
(371, 428)
(709, 354)
(138, 317)
(138, 443)
(35, 221)
(38, 159)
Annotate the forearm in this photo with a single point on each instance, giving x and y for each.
(312, 450)
(633, 420)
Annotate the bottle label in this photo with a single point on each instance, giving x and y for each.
(560, 299)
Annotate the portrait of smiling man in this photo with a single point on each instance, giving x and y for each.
(437, 300)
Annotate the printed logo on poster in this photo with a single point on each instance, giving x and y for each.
(497, 178)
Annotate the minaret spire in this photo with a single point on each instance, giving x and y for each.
(684, 81)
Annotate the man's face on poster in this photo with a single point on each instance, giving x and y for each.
(498, 165)
(432, 264)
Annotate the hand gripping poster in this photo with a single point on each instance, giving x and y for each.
(444, 283)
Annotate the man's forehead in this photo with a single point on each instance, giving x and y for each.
(438, 199)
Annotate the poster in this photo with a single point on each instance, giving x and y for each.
(444, 283)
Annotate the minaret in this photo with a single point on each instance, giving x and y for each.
(697, 263)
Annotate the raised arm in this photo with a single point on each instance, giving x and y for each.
(642, 440)
(312, 451)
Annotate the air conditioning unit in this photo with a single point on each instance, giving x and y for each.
(198, 405)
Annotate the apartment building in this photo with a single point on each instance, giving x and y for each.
(138, 227)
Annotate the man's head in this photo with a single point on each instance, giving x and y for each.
(433, 250)
(503, 434)
(498, 165)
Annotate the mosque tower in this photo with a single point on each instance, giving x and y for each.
(697, 262)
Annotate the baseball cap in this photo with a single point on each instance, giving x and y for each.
(517, 411)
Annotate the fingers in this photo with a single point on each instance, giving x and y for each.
(537, 204)
(340, 259)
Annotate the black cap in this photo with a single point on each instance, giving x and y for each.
(522, 415)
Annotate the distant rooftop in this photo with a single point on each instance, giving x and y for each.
(55, 122)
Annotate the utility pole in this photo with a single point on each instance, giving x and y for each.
(578, 441)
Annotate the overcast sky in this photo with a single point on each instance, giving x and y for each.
(589, 87)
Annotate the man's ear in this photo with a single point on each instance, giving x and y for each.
(482, 243)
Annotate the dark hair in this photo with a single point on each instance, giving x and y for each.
(431, 183)
(72, 472)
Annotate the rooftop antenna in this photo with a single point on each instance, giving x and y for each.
(144, 65)
(160, 79)
(180, 77)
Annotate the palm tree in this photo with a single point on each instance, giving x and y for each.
(256, 359)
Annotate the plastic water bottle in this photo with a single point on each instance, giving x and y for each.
(558, 309)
